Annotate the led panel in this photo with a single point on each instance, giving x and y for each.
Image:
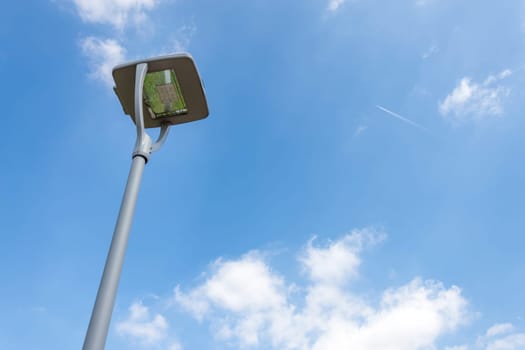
(162, 94)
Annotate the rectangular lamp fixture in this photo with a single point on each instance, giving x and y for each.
(173, 92)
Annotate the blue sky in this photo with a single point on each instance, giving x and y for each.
(357, 185)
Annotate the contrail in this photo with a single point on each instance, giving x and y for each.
(403, 119)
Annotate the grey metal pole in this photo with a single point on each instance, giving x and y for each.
(101, 315)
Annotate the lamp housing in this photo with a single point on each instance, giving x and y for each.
(173, 92)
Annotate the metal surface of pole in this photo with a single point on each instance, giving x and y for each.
(107, 291)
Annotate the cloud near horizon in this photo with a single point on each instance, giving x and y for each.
(141, 326)
(245, 302)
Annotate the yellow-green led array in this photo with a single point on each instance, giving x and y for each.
(162, 94)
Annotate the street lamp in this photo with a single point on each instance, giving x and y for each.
(157, 92)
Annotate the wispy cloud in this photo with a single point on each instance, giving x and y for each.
(117, 13)
(457, 347)
(334, 5)
(514, 341)
(141, 326)
(181, 40)
(403, 119)
(501, 336)
(475, 101)
(499, 328)
(103, 55)
(423, 2)
(432, 50)
(360, 129)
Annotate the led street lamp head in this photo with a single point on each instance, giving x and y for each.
(172, 93)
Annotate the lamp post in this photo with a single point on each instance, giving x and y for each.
(155, 93)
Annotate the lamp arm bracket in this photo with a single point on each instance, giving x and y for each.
(144, 145)
(164, 131)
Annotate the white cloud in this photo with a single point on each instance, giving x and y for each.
(457, 347)
(246, 304)
(340, 260)
(245, 301)
(243, 287)
(115, 12)
(509, 342)
(140, 326)
(499, 328)
(475, 101)
(501, 336)
(423, 2)
(175, 346)
(334, 5)
(103, 55)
